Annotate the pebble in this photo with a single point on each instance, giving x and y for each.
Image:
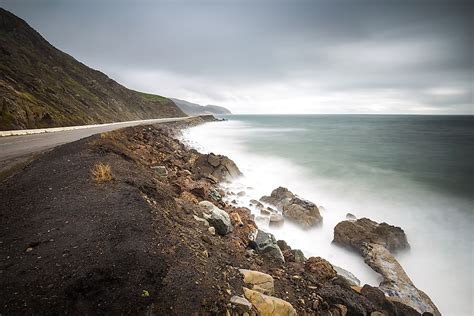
(206, 239)
(29, 249)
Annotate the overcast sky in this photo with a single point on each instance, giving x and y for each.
(274, 57)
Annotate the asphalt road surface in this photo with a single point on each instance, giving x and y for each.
(12, 147)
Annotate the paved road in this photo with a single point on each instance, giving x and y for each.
(16, 146)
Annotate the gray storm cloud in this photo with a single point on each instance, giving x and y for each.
(275, 57)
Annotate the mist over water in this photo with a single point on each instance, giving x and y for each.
(415, 172)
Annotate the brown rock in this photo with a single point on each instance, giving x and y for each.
(279, 197)
(217, 167)
(189, 197)
(354, 234)
(283, 245)
(302, 212)
(213, 160)
(320, 268)
(200, 189)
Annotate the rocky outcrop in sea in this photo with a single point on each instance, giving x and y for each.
(355, 233)
(302, 212)
(376, 242)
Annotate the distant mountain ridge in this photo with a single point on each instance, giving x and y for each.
(41, 86)
(196, 109)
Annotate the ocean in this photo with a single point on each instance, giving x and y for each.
(416, 172)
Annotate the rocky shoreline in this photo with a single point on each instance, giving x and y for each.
(374, 241)
(203, 255)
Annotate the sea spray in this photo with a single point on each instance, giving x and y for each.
(359, 167)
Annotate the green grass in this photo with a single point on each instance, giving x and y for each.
(153, 97)
(26, 96)
(6, 120)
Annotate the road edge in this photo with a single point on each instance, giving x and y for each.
(20, 132)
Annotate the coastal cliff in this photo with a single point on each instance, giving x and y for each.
(196, 109)
(41, 86)
(134, 222)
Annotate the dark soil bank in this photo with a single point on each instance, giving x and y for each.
(132, 245)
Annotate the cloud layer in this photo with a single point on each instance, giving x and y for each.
(275, 57)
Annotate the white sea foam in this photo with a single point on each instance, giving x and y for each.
(440, 259)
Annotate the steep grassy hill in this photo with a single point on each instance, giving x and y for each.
(40, 86)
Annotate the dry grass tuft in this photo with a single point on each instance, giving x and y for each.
(101, 172)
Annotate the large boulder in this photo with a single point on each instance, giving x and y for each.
(217, 167)
(217, 218)
(279, 197)
(396, 284)
(269, 305)
(300, 211)
(320, 268)
(259, 281)
(267, 246)
(354, 234)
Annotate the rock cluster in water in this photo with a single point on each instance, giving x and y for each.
(331, 290)
(302, 212)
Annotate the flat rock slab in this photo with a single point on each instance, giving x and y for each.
(396, 284)
(260, 281)
(269, 305)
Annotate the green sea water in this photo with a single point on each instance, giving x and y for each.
(435, 151)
